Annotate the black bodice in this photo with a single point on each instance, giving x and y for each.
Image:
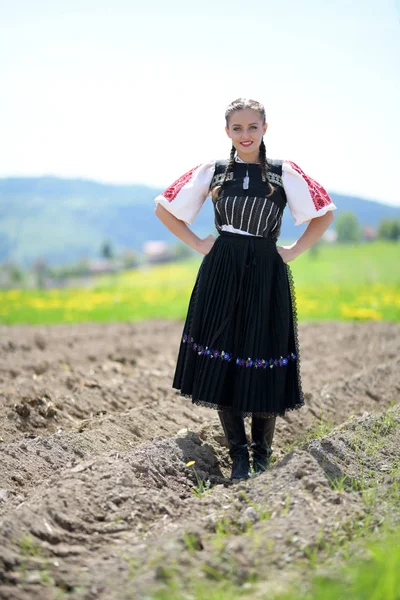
(253, 210)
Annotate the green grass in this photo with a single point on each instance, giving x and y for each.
(349, 264)
(376, 576)
(352, 282)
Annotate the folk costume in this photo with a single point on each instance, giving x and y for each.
(239, 351)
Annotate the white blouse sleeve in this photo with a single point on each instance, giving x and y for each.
(306, 198)
(186, 195)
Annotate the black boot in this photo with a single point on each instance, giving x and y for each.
(235, 434)
(262, 433)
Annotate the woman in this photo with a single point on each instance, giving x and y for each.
(239, 351)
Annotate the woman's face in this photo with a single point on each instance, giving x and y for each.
(246, 129)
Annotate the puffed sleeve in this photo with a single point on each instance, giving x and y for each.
(186, 195)
(306, 198)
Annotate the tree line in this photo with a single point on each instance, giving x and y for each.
(348, 229)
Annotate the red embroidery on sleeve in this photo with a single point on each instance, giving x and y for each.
(318, 194)
(173, 190)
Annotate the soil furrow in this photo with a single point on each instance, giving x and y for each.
(94, 489)
(109, 516)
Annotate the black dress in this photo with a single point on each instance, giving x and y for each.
(239, 347)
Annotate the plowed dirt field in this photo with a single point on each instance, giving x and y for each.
(96, 500)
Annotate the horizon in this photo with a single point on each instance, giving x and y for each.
(157, 189)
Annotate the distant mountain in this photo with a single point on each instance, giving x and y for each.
(63, 220)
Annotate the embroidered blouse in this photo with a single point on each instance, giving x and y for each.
(245, 204)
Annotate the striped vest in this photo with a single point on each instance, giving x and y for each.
(250, 209)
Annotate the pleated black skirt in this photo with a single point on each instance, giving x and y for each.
(239, 348)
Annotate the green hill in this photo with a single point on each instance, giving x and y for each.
(63, 220)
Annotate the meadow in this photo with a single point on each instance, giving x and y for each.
(339, 282)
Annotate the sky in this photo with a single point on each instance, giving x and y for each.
(135, 92)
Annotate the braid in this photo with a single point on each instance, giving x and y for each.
(264, 167)
(229, 167)
(263, 161)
